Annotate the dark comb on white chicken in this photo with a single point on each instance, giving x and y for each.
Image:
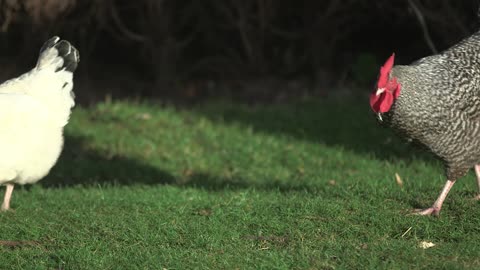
(34, 108)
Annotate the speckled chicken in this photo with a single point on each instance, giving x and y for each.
(435, 102)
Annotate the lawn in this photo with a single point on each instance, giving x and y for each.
(306, 185)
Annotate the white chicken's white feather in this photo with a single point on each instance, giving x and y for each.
(34, 108)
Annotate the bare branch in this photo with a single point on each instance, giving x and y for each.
(423, 25)
(123, 28)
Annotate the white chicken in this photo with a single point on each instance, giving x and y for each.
(34, 108)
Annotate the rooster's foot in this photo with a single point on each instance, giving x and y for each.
(432, 211)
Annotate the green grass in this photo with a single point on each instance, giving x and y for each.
(308, 185)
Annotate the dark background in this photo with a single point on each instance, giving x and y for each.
(255, 50)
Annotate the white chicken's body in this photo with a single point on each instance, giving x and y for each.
(30, 142)
(34, 108)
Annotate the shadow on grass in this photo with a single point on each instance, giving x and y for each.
(79, 165)
(214, 183)
(348, 124)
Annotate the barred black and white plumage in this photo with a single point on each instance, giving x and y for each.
(438, 106)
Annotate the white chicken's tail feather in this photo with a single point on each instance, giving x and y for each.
(51, 81)
(53, 51)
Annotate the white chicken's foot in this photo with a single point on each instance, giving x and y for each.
(437, 205)
(7, 197)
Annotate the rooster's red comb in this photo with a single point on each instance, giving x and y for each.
(385, 70)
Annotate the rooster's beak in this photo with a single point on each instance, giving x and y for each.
(379, 117)
(380, 91)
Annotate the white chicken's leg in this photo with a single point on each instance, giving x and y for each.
(7, 197)
(437, 205)
(477, 172)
